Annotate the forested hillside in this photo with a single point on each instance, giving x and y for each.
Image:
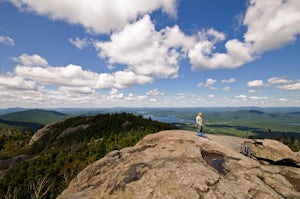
(13, 142)
(32, 119)
(68, 147)
(35, 116)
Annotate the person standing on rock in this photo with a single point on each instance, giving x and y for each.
(199, 122)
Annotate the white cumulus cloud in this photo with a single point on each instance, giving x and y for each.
(258, 98)
(283, 99)
(228, 81)
(97, 16)
(16, 83)
(80, 43)
(226, 88)
(124, 79)
(7, 40)
(115, 94)
(76, 90)
(202, 55)
(157, 53)
(200, 84)
(252, 91)
(174, 37)
(210, 82)
(30, 60)
(141, 48)
(71, 75)
(263, 19)
(278, 80)
(266, 18)
(242, 97)
(255, 83)
(181, 96)
(290, 87)
(37, 69)
(155, 92)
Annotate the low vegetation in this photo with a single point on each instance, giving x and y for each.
(13, 142)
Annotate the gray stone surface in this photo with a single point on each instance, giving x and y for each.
(274, 151)
(171, 164)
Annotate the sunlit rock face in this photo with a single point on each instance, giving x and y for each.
(178, 164)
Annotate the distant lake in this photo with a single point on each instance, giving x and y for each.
(293, 123)
(167, 119)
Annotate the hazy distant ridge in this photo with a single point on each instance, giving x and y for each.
(32, 119)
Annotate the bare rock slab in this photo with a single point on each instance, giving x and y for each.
(178, 164)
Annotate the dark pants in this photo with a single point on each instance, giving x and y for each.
(200, 128)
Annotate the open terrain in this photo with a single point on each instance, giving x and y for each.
(237, 121)
(243, 122)
(65, 145)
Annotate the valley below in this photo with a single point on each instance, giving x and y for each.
(68, 140)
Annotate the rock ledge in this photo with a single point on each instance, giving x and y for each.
(178, 164)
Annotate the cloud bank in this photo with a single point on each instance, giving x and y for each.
(96, 16)
(132, 32)
(35, 68)
(263, 19)
(144, 52)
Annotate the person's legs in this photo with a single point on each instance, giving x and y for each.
(199, 128)
(200, 132)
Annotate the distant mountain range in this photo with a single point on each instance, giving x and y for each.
(11, 110)
(280, 119)
(32, 119)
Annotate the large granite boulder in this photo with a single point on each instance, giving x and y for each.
(273, 151)
(40, 133)
(178, 164)
(50, 129)
(7, 164)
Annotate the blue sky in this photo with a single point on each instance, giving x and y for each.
(159, 53)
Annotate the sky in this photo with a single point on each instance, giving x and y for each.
(141, 53)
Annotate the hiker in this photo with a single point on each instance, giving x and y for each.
(199, 121)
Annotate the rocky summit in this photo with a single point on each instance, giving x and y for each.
(178, 164)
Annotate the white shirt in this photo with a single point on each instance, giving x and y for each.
(199, 120)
